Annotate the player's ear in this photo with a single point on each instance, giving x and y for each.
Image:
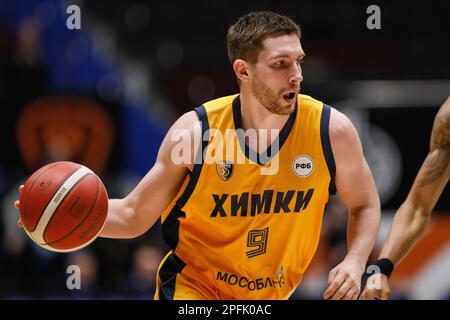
(241, 69)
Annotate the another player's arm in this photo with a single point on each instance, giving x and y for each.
(413, 216)
(356, 187)
(411, 219)
(138, 211)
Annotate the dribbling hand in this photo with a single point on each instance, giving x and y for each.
(17, 205)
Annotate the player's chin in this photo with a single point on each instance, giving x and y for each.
(286, 107)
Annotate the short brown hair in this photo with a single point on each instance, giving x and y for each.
(245, 37)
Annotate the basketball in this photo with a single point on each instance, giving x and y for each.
(63, 206)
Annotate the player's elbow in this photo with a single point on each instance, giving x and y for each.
(141, 226)
(139, 219)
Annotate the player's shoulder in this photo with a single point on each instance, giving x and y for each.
(186, 128)
(339, 121)
(187, 120)
(440, 137)
(443, 115)
(341, 128)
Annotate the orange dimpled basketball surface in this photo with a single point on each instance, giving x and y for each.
(63, 206)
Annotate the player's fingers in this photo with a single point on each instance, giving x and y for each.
(352, 294)
(19, 223)
(333, 285)
(17, 202)
(331, 276)
(343, 290)
(355, 295)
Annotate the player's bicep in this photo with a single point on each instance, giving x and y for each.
(435, 170)
(354, 181)
(155, 191)
(431, 180)
(440, 135)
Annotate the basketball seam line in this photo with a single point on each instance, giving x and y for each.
(76, 227)
(25, 199)
(62, 199)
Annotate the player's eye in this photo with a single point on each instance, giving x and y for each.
(280, 63)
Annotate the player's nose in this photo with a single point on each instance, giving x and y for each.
(295, 80)
(296, 77)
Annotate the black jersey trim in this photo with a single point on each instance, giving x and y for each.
(199, 158)
(326, 146)
(168, 276)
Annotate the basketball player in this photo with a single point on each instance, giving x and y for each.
(414, 214)
(236, 232)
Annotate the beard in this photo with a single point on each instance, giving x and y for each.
(271, 100)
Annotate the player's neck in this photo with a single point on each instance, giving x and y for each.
(255, 116)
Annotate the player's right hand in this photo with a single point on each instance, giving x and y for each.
(17, 205)
(376, 289)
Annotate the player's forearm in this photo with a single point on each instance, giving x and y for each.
(408, 225)
(120, 221)
(362, 229)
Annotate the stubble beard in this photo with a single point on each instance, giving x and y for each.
(269, 99)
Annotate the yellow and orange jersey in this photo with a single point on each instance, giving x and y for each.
(248, 224)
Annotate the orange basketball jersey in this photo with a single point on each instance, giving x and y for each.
(248, 224)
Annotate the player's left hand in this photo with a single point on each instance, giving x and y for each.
(382, 291)
(17, 205)
(344, 281)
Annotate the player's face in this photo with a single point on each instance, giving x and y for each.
(277, 74)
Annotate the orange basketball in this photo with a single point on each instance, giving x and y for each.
(63, 206)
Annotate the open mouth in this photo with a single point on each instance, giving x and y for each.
(290, 96)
